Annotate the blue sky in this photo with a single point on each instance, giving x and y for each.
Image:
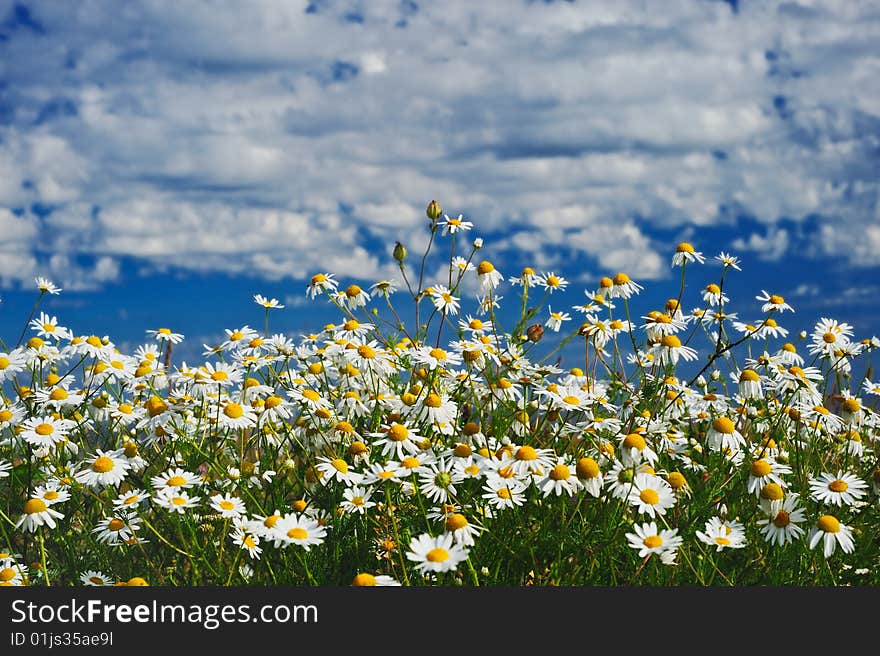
(163, 162)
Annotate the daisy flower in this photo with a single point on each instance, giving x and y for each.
(11, 363)
(669, 349)
(651, 495)
(321, 282)
(227, 505)
(551, 282)
(45, 431)
(623, 287)
(357, 500)
(337, 469)
(634, 450)
(589, 475)
(436, 554)
(830, 532)
(766, 470)
(117, 529)
(559, 478)
(527, 278)
(93, 577)
(176, 500)
(781, 527)
(437, 480)
(451, 226)
(685, 253)
(443, 300)
(46, 286)
(131, 499)
(728, 260)
(37, 513)
(353, 297)
(48, 327)
(396, 440)
(488, 276)
(843, 489)
(299, 530)
(245, 539)
(269, 304)
(723, 534)
(365, 579)
(105, 469)
(173, 479)
(504, 492)
(749, 382)
(554, 323)
(723, 436)
(11, 573)
(165, 335)
(234, 415)
(648, 539)
(713, 295)
(461, 530)
(51, 493)
(773, 303)
(475, 326)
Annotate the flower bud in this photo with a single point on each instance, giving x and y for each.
(434, 210)
(399, 252)
(535, 332)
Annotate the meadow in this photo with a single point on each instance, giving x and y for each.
(418, 441)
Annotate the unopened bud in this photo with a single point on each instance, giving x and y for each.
(434, 210)
(535, 332)
(399, 252)
(478, 243)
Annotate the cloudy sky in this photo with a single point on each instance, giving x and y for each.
(162, 161)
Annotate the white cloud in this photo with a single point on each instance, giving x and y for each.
(277, 142)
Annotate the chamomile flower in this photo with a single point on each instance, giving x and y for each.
(321, 282)
(443, 300)
(728, 260)
(451, 226)
(651, 495)
(781, 527)
(554, 322)
(438, 479)
(104, 469)
(11, 363)
(230, 414)
(353, 297)
(488, 276)
(773, 303)
(357, 500)
(670, 349)
(245, 539)
(713, 295)
(504, 492)
(436, 554)
(92, 577)
(131, 499)
(589, 475)
(551, 282)
(830, 532)
(176, 500)
(337, 469)
(723, 534)
(11, 573)
(365, 579)
(175, 479)
(227, 505)
(766, 470)
(685, 253)
(648, 539)
(269, 304)
(634, 450)
(841, 489)
(165, 335)
(51, 493)
(37, 513)
(299, 530)
(723, 436)
(623, 287)
(463, 532)
(118, 529)
(45, 431)
(475, 326)
(560, 478)
(46, 286)
(749, 382)
(47, 326)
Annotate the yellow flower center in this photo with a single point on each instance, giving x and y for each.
(102, 465)
(649, 496)
(455, 522)
(838, 486)
(226, 504)
(366, 351)
(653, 541)
(44, 429)
(410, 462)
(219, 376)
(271, 520)
(297, 533)
(364, 579)
(311, 395)
(772, 492)
(50, 495)
(526, 453)
(723, 425)
(5, 415)
(7, 574)
(353, 291)
(58, 394)
(560, 473)
(4, 362)
(34, 506)
(175, 481)
(437, 555)
(828, 523)
(233, 411)
(398, 433)
(851, 405)
(504, 493)
(760, 468)
(775, 299)
(115, 524)
(485, 267)
(35, 343)
(670, 341)
(723, 541)
(782, 519)
(749, 375)
(433, 401)
(684, 247)
(634, 441)
(340, 465)
(587, 468)
(318, 278)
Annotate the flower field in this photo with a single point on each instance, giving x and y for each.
(419, 441)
